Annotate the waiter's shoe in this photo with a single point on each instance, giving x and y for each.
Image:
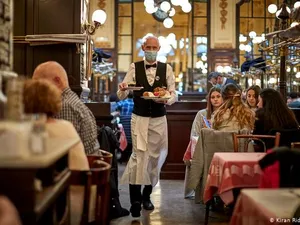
(147, 205)
(136, 209)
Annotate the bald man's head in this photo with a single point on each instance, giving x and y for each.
(53, 72)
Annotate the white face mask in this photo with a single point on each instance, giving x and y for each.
(150, 55)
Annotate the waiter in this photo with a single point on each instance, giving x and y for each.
(149, 130)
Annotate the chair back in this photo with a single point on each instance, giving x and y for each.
(98, 175)
(209, 142)
(251, 137)
(287, 136)
(101, 155)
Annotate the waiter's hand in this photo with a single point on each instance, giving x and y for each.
(123, 86)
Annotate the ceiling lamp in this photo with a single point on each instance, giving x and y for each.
(172, 12)
(165, 6)
(294, 24)
(168, 23)
(252, 34)
(248, 48)
(175, 2)
(161, 9)
(186, 7)
(151, 9)
(272, 8)
(297, 4)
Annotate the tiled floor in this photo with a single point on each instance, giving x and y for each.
(170, 207)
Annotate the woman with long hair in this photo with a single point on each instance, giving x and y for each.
(203, 117)
(252, 96)
(233, 114)
(273, 113)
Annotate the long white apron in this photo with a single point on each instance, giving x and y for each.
(149, 150)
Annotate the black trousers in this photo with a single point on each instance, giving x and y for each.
(137, 196)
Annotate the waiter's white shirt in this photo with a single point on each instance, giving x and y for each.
(151, 74)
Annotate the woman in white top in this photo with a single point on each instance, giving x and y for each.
(234, 114)
(203, 117)
(41, 96)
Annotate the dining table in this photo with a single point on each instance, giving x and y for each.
(232, 170)
(267, 207)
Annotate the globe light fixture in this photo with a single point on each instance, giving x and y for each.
(294, 24)
(172, 12)
(297, 4)
(242, 47)
(248, 48)
(187, 7)
(165, 6)
(272, 8)
(252, 34)
(168, 23)
(175, 2)
(98, 19)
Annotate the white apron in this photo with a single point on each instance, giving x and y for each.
(149, 150)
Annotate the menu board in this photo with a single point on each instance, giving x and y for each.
(6, 45)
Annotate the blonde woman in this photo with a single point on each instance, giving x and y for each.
(233, 115)
(203, 117)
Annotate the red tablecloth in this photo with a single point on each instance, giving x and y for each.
(230, 170)
(189, 152)
(122, 140)
(266, 206)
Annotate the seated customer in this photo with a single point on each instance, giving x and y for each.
(293, 100)
(203, 117)
(252, 96)
(41, 96)
(273, 115)
(233, 114)
(125, 107)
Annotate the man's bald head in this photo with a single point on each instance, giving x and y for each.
(53, 72)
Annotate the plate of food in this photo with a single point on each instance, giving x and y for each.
(157, 95)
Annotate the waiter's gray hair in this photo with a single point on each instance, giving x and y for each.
(149, 37)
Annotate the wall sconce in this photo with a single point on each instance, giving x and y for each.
(98, 18)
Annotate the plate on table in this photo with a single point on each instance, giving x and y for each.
(134, 88)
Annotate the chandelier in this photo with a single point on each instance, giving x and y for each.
(285, 11)
(164, 10)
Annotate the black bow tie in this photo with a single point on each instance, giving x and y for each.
(149, 66)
